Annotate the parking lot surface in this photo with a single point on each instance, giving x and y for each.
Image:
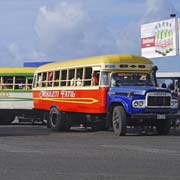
(30, 152)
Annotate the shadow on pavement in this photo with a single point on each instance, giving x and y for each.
(36, 130)
(23, 130)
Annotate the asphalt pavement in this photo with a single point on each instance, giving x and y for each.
(33, 152)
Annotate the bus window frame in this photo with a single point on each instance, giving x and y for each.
(15, 84)
(86, 75)
(50, 78)
(56, 81)
(63, 80)
(102, 79)
(79, 77)
(71, 77)
(44, 79)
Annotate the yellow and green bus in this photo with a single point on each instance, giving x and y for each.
(15, 92)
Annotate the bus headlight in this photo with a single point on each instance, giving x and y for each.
(138, 103)
(174, 103)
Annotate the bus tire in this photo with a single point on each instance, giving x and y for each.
(55, 119)
(163, 127)
(119, 121)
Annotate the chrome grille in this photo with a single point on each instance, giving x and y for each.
(158, 99)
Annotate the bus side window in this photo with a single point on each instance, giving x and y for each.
(63, 77)
(56, 78)
(44, 79)
(95, 78)
(20, 82)
(29, 83)
(104, 78)
(87, 78)
(71, 77)
(39, 80)
(50, 78)
(79, 77)
(8, 82)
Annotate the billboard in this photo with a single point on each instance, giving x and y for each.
(159, 39)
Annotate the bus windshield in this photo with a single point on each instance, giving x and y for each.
(130, 79)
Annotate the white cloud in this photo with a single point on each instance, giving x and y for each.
(128, 40)
(15, 52)
(71, 29)
(80, 28)
(59, 28)
(59, 20)
(18, 55)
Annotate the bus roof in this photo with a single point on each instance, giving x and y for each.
(17, 71)
(114, 58)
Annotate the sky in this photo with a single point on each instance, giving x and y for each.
(55, 30)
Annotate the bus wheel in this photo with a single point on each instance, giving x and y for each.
(55, 119)
(119, 121)
(163, 127)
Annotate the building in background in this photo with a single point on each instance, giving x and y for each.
(36, 64)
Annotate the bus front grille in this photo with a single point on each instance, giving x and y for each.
(158, 99)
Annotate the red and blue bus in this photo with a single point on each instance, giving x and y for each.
(101, 92)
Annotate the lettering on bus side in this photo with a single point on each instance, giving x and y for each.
(49, 94)
(67, 94)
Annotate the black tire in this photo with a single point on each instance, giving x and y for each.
(55, 119)
(119, 121)
(58, 121)
(163, 126)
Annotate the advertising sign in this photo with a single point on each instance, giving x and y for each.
(158, 39)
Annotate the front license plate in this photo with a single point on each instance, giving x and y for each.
(161, 116)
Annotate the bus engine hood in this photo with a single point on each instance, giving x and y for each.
(136, 90)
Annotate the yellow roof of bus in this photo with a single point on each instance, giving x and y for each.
(17, 70)
(114, 58)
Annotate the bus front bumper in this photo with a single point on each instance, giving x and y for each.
(151, 116)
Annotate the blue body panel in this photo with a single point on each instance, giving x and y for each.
(120, 96)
